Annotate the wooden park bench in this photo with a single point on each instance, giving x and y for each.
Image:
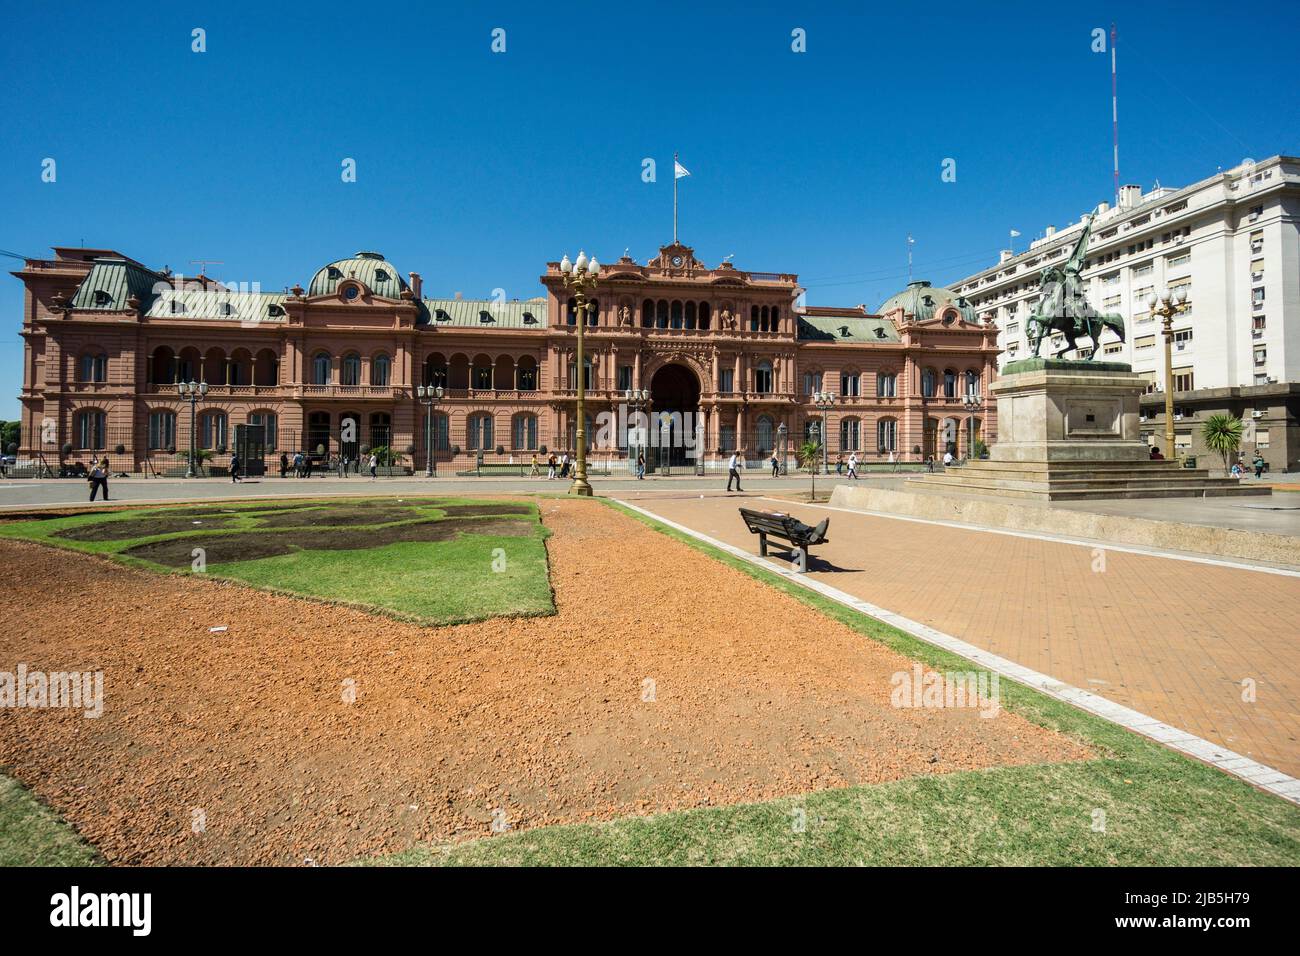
(787, 528)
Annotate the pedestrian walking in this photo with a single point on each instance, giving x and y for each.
(839, 464)
(776, 465)
(535, 471)
(640, 466)
(374, 466)
(550, 467)
(733, 471)
(853, 465)
(893, 460)
(564, 465)
(1259, 465)
(234, 468)
(98, 477)
(284, 464)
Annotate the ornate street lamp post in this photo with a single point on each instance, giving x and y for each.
(825, 401)
(1168, 304)
(973, 403)
(636, 399)
(429, 395)
(780, 443)
(191, 391)
(581, 276)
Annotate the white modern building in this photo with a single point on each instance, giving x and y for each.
(1232, 242)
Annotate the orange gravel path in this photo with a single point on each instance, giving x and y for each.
(542, 719)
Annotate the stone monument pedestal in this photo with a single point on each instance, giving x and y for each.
(1068, 430)
(1050, 411)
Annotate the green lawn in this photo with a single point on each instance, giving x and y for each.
(32, 834)
(476, 563)
(1160, 808)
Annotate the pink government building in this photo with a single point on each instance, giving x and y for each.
(333, 368)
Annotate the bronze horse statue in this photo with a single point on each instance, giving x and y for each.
(1063, 306)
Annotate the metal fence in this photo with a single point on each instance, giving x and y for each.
(457, 451)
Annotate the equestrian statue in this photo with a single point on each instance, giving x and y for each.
(1063, 306)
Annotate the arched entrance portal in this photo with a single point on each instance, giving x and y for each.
(675, 406)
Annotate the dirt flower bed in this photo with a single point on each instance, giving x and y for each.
(308, 731)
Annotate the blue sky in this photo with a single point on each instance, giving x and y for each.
(474, 168)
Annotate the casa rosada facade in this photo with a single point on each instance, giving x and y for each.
(333, 368)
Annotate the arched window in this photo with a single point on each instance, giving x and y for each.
(886, 385)
(162, 370)
(753, 319)
(661, 317)
(350, 369)
(266, 370)
(237, 369)
(482, 377)
(435, 370)
(849, 434)
(524, 435)
(763, 377)
(381, 430)
(441, 432)
(949, 383)
(270, 423)
(381, 369)
(571, 312)
(593, 312)
(91, 427)
(321, 369)
(690, 315)
(850, 384)
(478, 432)
(212, 430)
(704, 315)
(94, 368)
(318, 433)
(929, 382)
(162, 430)
(676, 322)
(588, 377)
(763, 432)
(647, 314)
(526, 374)
(972, 382)
(776, 317)
(887, 435)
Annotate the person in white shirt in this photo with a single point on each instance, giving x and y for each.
(733, 471)
(853, 465)
(948, 459)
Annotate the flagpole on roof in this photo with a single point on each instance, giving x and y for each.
(675, 199)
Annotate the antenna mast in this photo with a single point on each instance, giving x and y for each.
(1114, 108)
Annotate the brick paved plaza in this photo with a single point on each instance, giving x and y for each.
(1169, 637)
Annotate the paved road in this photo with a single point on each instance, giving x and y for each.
(1169, 637)
(66, 491)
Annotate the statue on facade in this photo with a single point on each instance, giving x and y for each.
(625, 316)
(1063, 305)
(728, 320)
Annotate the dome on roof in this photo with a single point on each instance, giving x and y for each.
(926, 301)
(371, 269)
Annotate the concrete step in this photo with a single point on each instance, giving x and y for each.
(1067, 490)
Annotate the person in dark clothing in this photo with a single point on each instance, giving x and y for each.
(234, 468)
(284, 464)
(1258, 463)
(99, 478)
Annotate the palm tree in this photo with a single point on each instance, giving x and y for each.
(810, 453)
(1222, 433)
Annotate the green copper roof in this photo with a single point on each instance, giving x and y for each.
(220, 304)
(487, 313)
(924, 301)
(849, 328)
(112, 282)
(369, 268)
